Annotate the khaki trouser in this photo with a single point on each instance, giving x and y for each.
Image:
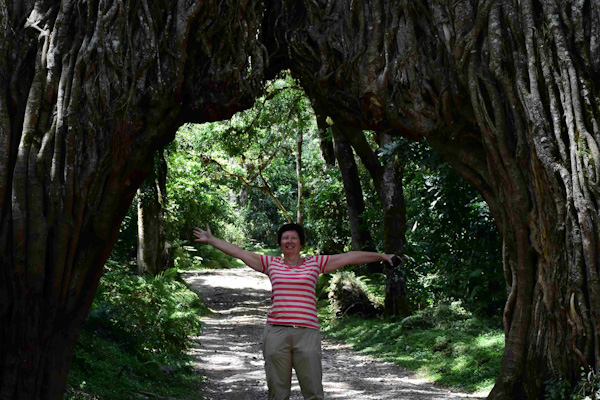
(285, 347)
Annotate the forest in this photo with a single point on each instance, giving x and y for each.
(265, 167)
(97, 97)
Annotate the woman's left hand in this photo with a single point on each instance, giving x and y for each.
(388, 259)
(393, 259)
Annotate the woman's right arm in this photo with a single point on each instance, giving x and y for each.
(249, 258)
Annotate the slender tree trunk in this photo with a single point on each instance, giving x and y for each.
(152, 251)
(334, 146)
(391, 194)
(361, 237)
(387, 179)
(299, 179)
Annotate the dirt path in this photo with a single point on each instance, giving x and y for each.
(231, 359)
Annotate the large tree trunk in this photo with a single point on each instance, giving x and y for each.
(88, 92)
(152, 250)
(507, 92)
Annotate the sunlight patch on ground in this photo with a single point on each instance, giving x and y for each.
(239, 280)
(484, 341)
(459, 364)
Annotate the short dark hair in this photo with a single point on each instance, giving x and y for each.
(292, 227)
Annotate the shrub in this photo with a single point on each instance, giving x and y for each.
(154, 314)
(587, 388)
(442, 315)
(184, 257)
(416, 321)
(136, 337)
(558, 389)
(350, 295)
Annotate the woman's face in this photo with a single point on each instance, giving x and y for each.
(290, 243)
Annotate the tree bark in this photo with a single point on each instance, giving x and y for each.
(152, 251)
(325, 137)
(391, 194)
(88, 92)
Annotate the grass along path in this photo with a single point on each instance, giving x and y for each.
(445, 346)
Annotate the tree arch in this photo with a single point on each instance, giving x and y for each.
(505, 90)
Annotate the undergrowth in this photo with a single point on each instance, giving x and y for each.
(586, 388)
(135, 339)
(445, 343)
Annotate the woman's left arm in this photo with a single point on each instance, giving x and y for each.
(337, 261)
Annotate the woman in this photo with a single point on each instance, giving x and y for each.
(292, 338)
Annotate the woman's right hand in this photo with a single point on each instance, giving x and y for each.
(203, 236)
(251, 259)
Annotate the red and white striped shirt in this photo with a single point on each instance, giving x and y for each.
(293, 295)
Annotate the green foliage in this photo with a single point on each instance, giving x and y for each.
(194, 197)
(587, 388)
(437, 316)
(240, 160)
(452, 239)
(322, 288)
(446, 344)
(349, 295)
(136, 338)
(145, 314)
(326, 221)
(216, 169)
(187, 257)
(558, 389)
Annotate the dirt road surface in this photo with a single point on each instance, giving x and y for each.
(230, 355)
